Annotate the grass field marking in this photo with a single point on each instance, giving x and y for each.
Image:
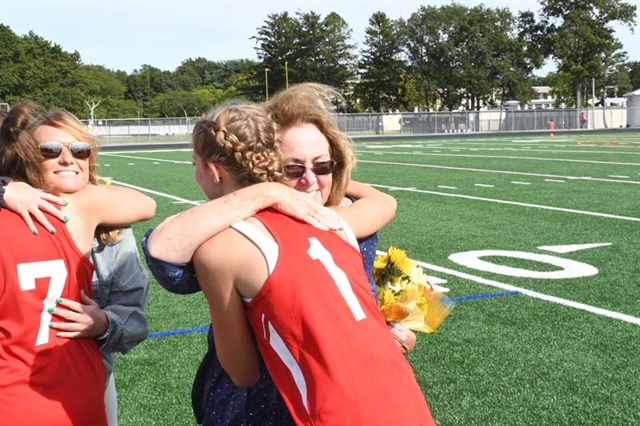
(515, 182)
(568, 268)
(505, 172)
(484, 185)
(510, 157)
(555, 180)
(570, 248)
(149, 159)
(515, 203)
(162, 194)
(145, 151)
(553, 299)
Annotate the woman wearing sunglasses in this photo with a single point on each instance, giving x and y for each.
(302, 291)
(316, 155)
(61, 377)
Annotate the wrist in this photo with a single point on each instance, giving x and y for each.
(104, 335)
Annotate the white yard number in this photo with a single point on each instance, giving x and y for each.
(27, 275)
(318, 252)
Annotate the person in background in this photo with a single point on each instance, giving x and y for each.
(69, 159)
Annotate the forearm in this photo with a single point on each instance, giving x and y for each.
(176, 239)
(371, 210)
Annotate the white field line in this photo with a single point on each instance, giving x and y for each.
(484, 185)
(161, 194)
(506, 172)
(553, 299)
(514, 203)
(510, 157)
(488, 147)
(515, 182)
(145, 158)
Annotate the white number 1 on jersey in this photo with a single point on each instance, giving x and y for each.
(318, 252)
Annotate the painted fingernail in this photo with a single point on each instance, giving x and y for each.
(35, 231)
(50, 310)
(50, 325)
(65, 202)
(66, 218)
(58, 300)
(52, 230)
(57, 334)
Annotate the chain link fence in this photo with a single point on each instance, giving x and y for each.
(418, 123)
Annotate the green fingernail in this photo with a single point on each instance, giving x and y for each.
(50, 325)
(57, 334)
(52, 230)
(58, 300)
(35, 232)
(65, 202)
(66, 218)
(50, 310)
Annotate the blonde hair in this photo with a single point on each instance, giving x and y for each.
(240, 138)
(311, 103)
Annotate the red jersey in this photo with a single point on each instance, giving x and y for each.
(44, 380)
(322, 337)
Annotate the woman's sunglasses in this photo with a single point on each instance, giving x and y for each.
(53, 149)
(321, 168)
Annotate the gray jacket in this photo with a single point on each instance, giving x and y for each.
(121, 288)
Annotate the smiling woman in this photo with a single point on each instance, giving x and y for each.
(53, 151)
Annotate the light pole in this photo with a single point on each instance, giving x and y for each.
(266, 82)
(286, 74)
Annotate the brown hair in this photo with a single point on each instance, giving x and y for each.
(311, 103)
(240, 138)
(19, 157)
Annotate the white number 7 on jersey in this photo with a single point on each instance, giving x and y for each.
(27, 275)
(318, 252)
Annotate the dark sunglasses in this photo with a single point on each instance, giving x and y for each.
(53, 149)
(321, 168)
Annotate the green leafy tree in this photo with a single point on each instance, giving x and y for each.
(380, 66)
(11, 55)
(580, 36)
(47, 75)
(634, 75)
(99, 85)
(304, 48)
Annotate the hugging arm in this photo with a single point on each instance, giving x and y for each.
(177, 238)
(371, 211)
(30, 202)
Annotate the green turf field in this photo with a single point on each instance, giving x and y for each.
(537, 239)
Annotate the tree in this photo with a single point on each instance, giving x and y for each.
(380, 65)
(99, 84)
(314, 49)
(634, 75)
(580, 37)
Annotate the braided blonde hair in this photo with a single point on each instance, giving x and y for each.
(240, 139)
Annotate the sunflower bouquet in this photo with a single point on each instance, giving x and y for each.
(405, 295)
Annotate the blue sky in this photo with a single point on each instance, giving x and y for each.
(123, 35)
